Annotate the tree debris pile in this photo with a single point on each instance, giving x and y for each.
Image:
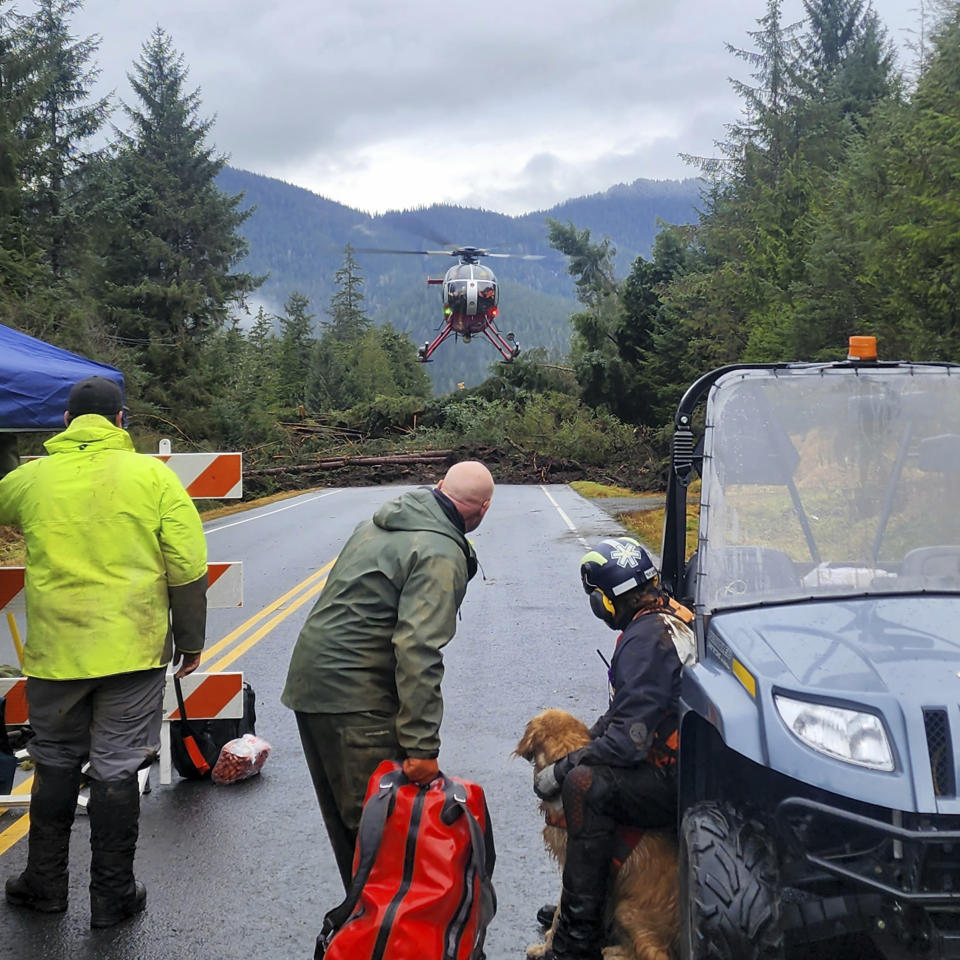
(507, 466)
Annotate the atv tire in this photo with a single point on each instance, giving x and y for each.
(728, 903)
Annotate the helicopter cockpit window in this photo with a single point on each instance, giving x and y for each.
(486, 293)
(457, 295)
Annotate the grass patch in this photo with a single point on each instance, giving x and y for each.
(13, 551)
(587, 488)
(647, 525)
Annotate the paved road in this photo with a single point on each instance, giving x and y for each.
(245, 870)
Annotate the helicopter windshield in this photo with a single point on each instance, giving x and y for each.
(829, 480)
(470, 289)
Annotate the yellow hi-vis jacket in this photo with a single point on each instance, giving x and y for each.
(107, 531)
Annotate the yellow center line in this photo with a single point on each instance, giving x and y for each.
(241, 648)
(265, 612)
(14, 832)
(18, 829)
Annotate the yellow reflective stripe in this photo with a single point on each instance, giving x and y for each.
(745, 677)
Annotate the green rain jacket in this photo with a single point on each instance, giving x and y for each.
(373, 640)
(107, 531)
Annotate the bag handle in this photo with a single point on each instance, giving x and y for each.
(189, 736)
(372, 823)
(480, 843)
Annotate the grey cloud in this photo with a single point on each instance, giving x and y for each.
(318, 85)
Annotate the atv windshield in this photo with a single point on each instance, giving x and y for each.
(829, 479)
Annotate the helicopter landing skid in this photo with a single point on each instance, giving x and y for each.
(507, 347)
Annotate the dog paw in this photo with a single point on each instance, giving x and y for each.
(536, 950)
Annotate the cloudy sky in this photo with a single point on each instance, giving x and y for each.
(511, 105)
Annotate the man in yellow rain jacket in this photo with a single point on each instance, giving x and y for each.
(116, 586)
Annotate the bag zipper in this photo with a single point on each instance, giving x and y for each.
(409, 853)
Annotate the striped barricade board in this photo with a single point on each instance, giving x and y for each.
(224, 586)
(205, 476)
(206, 696)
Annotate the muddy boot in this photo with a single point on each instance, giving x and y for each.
(579, 932)
(53, 803)
(114, 811)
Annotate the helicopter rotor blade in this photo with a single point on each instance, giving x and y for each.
(419, 253)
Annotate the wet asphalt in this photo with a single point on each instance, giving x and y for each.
(245, 870)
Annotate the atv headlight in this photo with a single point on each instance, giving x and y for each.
(850, 735)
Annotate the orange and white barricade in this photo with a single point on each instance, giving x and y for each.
(206, 696)
(224, 587)
(208, 476)
(205, 476)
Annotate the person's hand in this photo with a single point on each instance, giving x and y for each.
(188, 662)
(547, 783)
(421, 771)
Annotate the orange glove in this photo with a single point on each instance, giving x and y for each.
(421, 771)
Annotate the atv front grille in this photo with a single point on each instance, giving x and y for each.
(940, 750)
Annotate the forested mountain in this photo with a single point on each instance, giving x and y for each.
(297, 239)
(832, 207)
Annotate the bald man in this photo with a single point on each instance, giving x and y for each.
(364, 678)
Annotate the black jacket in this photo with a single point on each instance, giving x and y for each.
(645, 677)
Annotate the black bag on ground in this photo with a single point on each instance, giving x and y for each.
(195, 744)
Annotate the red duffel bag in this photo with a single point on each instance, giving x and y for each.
(421, 887)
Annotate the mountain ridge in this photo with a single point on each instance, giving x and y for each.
(297, 237)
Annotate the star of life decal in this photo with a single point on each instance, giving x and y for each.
(625, 555)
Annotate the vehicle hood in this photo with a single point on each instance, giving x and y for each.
(904, 646)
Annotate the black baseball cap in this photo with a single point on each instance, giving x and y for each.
(95, 395)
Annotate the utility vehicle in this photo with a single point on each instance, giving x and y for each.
(820, 728)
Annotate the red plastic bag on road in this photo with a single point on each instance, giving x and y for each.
(240, 759)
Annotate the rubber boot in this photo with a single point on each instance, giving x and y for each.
(53, 803)
(579, 933)
(114, 811)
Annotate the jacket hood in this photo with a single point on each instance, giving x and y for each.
(417, 510)
(88, 430)
(902, 646)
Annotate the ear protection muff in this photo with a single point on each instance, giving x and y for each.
(602, 606)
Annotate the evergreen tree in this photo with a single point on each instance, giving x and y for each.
(60, 125)
(296, 343)
(263, 356)
(20, 92)
(348, 321)
(170, 240)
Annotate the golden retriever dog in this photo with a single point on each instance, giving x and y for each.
(641, 911)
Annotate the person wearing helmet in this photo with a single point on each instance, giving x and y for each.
(626, 774)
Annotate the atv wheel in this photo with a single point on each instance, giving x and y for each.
(728, 904)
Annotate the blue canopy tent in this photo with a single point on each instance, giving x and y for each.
(35, 379)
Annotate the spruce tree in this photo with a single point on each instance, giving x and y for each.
(171, 241)
(58, 129)
(21, 87)
(296, 344)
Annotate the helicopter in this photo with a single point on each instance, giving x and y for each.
(471, 298)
